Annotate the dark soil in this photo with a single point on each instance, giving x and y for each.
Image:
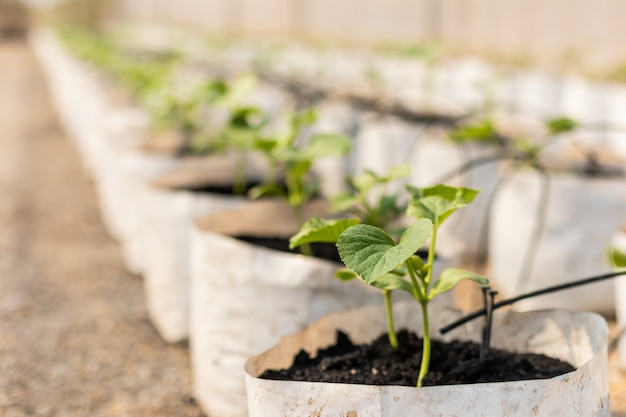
(219, 189)
(451, 363)
(326, 251)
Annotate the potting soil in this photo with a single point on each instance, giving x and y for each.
(451, 363)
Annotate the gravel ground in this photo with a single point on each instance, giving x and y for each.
(74, 334)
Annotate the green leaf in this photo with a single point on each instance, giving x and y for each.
(617, 257)
(392, 282)
(303, 118)
(321, 230)
(344, 201)
(390, 207)
(365, 180)
(325, 145)
(345, 274)
(239, 89)
(451, 276)
(439, 202)
(270, 190)
(483, 131)
(398, 172)
(418, 265)
(248, 117)
(561, 125)
(371, 252)
(266, 145)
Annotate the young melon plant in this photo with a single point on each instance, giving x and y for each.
(520, 148)
(368, 199)
(372, 255)
(293, 154)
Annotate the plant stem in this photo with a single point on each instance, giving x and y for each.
(431, 260)
(391, 330)
(426, 345)
(424, 303)
(420, 293)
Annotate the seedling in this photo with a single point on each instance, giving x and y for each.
(373, 256)
(617, 257)
(372, 205)
(369, 201)
(286, 154)
(175, 100)
(240, 131)
(520, 148)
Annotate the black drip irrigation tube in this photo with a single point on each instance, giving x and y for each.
(491, 306)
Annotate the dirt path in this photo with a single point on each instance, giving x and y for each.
(74, 337)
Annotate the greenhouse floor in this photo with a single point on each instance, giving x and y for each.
(74, 335)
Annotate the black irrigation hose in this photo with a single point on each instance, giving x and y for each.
(547, 290)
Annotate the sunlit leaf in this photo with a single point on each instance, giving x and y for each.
(451, 276)
(439, 202)
(321, 230)
(371, 253)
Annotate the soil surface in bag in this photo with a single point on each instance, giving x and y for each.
(451, 363)
(220, 189)
(326, 251)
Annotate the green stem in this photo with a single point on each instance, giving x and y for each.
(391, 330)
(426, 346)
(420, 293)
(431, 260)
(424, 303)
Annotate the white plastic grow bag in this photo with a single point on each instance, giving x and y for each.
(579, 338)
(76, 91)
(166, 272)
(123, 197)
(245, 297)
(582, 216)
(171, 208)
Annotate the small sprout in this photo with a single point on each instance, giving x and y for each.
(295, 160)
(483, 131)
(520, 148)
(560, 125)
(373, 256)
(321, 230)
(369, 200)
(617, 257)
